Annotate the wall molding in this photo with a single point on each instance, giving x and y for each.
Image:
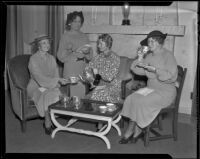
(136, 30)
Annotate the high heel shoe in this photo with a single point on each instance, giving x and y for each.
(126, 140)
(137, 137)
(49, 130)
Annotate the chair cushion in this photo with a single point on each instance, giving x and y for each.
(124, 69)
(18, 70)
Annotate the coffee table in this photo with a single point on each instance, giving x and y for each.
(86, 112)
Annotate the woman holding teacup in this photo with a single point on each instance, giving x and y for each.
(160, 67)
(74, 51)
(44, 85)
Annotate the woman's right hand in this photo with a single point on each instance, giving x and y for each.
(63, 81)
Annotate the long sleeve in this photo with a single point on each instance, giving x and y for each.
(64, 49)
(90, 55)
(137, 70)
(169, 73)
(39, 76)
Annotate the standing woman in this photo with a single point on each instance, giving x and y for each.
(43, 87)
(69, 51)
(141, 108)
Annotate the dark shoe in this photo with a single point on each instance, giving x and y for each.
(49, 130)
(137, 137)
(126, 140)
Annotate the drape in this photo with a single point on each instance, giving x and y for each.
(14, 35)
(55, 25)
(14, 32)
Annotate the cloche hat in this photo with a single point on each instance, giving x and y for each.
(152, 34)
(39, 38)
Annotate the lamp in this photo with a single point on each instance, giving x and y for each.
(126, 11)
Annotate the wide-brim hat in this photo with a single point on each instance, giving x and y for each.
(39, 38)
(155, 33)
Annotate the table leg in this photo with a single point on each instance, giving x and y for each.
(81, 131)
(115, 125)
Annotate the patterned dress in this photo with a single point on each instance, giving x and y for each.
(144, 108)
(108, 68)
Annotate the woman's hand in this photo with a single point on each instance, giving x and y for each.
(79, 55)
(95, 71)
(63, 81)
(147, 67)
(85, 50)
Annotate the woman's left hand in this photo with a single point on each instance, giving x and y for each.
(63, 81)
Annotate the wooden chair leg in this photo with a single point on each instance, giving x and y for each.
(160, 122)
(174, 126)
(121, 123)
(146, 136)
(23, 126)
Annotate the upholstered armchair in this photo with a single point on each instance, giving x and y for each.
(19, 76)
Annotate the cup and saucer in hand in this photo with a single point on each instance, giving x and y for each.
(74, 79)
(84, 49)
(148, 67)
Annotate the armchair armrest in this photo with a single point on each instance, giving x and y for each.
(123, 87)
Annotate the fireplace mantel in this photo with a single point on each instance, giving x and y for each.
(133, 30)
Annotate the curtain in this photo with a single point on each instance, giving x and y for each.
(55, 29)
(14, 35)
(14, 32)
(55, 25)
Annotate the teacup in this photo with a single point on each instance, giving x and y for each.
(73, 79)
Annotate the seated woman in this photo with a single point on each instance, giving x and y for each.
(106, 64)
(43, 87)
(161, 69)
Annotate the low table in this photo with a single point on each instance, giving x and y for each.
(86, 112)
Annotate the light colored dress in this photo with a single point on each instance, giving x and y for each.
(72, 67)
(108, 68)
(43, 81)
(143, 109)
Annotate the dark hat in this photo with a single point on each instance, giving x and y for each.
(39, 38)
(154, 33)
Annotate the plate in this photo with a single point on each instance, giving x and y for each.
(83, 48)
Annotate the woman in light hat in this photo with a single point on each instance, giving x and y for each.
(160, 67)
(74, 50)
(43, 87)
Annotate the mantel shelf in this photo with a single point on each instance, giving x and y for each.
(133, 30)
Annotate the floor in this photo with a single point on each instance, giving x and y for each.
(35, 141)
